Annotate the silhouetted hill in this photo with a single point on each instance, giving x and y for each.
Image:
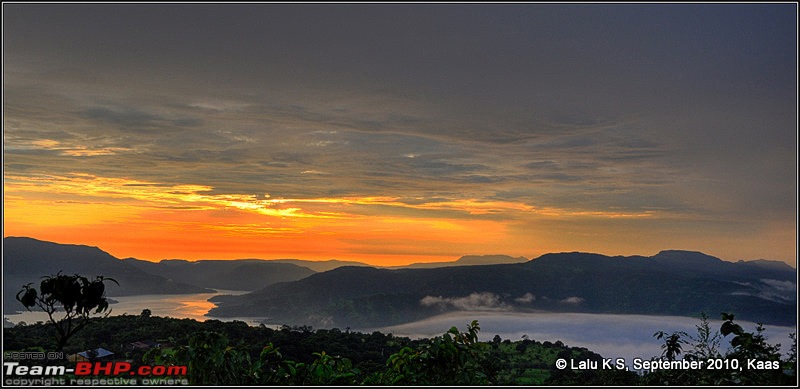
(767, 264)
(320, 266)
(670, 283)
(239, 274)
(467, 260)
(27, 260)
(691, 261)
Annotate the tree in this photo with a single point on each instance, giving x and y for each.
(455, 358)
(672, 344)
(705, 344)
(751, 360)
(75, 295)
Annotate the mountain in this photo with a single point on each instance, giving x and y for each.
(320, 266)
(240, 274)
(27, 260)
(467, 260)
(767, 264)
(323, 266)
(669, 283)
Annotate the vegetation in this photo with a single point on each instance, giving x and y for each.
(233, 353)
(75, 295)
(750, 361)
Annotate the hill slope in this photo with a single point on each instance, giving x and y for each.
(670, 283)
(239, 274)
(27, 260)
(465, 261)
(320, 266)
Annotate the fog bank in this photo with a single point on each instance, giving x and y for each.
(612, 336)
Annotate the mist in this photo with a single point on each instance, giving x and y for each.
(612, 336)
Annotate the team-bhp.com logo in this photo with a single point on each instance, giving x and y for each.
(94, 373)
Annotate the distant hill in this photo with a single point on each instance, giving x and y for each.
(767, 264)
(241, 274)
(467, 260)
(692, 261)
(669, 283)
(320, 266)
(27, 260)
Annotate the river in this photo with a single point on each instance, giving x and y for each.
(190, 306)
(612, 336)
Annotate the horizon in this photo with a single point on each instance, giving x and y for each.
(395, 134)
(452, 260)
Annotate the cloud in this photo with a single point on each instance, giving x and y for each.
(526, 298)
(769, 289)
(612, 336)
(572, 300)
(783, 286)
(475, 301)
(496, 113)
(136, 119)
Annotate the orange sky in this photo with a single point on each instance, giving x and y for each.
(153, 221)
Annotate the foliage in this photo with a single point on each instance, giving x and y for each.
(233, 353)
(75, 295)
(749, 361)
(672, 344)
(455, 358)
(705, 344)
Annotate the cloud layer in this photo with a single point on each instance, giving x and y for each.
(576, 131)
(612, 336)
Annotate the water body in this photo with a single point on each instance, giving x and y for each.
(612, 336)
(188, 306)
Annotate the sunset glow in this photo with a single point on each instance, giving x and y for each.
(423, 136)
(155, 218)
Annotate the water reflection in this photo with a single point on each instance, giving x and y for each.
(626, 336)
(182, 306)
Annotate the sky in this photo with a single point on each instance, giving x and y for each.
(400, 133)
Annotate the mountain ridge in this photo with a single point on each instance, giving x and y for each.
(242, 274)
(26, 260)
(466, 260)
(669, 282)
(563, 282)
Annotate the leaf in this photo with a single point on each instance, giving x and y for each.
(730, 328)
(28, 298)
(727, 316)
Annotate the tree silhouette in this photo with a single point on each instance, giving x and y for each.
(75, 295)
(672, 344)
